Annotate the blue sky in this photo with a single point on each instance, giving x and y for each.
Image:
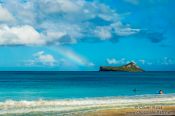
(82, 35)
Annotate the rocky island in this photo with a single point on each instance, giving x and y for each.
(130, 67)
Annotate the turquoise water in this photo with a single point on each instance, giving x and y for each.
(61, 93)
(60, 85)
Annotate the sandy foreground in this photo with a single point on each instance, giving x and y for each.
(136, 111)
(133, 111)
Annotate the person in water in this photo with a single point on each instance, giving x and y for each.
(161, 92)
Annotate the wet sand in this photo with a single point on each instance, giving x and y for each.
(136, 111)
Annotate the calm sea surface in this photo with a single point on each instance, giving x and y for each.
(61, 85)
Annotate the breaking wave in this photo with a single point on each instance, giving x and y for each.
(70, 105)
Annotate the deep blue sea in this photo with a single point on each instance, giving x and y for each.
(61, 85)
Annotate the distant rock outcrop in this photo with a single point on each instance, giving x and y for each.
(131, 67)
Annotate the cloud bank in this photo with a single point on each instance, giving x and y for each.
(42, 22)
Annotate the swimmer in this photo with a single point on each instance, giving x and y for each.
(161, 92)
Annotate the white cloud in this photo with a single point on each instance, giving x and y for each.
(63, 34)
(24, 13)
(166, 61)
(162, 61)
(59, 22)
(123, 30)
(115, 61)
(117, 29)
(5, 15)
(67, 6)
(112, 61)
(20, 35)
(41, 58)
(103, 32)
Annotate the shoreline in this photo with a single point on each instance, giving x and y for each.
(107, 106)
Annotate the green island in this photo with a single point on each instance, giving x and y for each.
(130, 67)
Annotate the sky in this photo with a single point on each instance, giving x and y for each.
(81, 35)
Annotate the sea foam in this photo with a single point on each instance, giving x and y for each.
(70, 105)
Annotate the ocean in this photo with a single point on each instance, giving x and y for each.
(59, 92)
